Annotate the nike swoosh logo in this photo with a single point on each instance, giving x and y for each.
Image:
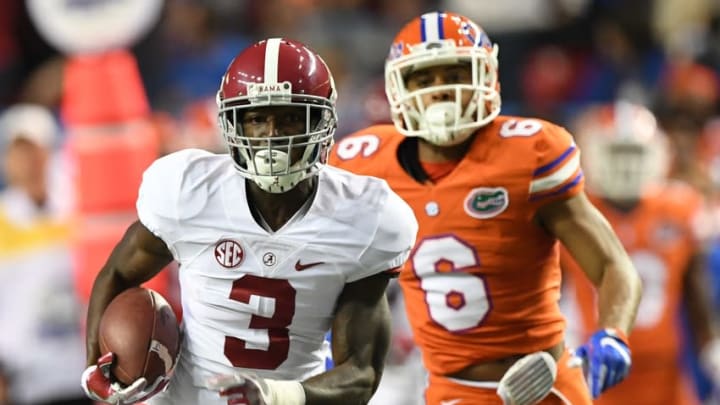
(450, 402)
(300, 267)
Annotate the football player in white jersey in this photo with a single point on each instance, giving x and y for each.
(274, 249)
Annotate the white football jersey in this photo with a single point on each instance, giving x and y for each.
(258, 300)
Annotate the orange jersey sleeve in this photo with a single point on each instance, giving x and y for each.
(483, 280)
(557, 174)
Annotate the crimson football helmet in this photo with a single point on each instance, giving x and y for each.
(278, 72)
(623, 150)
(441, 38)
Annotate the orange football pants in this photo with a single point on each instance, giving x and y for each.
(570, 389)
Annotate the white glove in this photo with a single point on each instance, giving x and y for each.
(251, 389)
(241, 389)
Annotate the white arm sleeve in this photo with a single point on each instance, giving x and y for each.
(394, 238)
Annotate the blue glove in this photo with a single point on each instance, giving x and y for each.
(605, 359)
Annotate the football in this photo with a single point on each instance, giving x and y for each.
(140, 327)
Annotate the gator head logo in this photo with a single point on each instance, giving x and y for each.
(486, 202)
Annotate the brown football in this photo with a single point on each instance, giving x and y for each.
(140, 327)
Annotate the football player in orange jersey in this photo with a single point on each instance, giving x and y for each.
(626, 160)
(493, 195)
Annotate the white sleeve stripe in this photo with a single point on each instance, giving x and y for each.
(558, 177)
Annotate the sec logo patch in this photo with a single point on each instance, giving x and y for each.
(229, 253)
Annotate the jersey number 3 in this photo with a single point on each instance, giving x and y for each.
(252, 288)
(456, 300)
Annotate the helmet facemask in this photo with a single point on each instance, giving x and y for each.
(624, 152)
(447, 122)
(277, 162)
(623, 170)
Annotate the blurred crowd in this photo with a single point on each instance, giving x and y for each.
(557, 58)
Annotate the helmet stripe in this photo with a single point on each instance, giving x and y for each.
(441, 26)
(429, 27)
(272, 54)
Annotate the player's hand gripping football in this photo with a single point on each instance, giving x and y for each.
(605, 359)
(241, 389)
(98, 384)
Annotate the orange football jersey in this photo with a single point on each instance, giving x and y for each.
(483, 280)
(659, 238)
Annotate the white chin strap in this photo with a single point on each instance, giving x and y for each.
(443, 122)
(268, 164)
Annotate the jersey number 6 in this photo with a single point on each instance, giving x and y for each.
(456, 300)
